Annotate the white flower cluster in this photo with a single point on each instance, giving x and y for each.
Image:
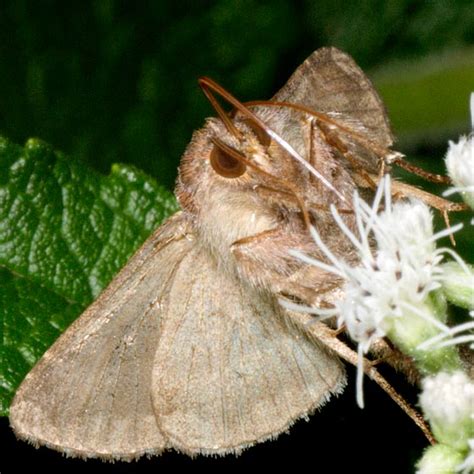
(460, 164)
(391, 283)
(399, 289)
(404, 270)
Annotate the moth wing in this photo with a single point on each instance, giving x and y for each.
(330, 81)
(230, 370)
(89, 395)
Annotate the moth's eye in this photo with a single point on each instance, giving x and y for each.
(260, 133)
(225, 164)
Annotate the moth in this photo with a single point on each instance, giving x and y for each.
(188, 348)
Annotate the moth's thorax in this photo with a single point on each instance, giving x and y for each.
(249, 223)
(227, 216)
(223, 210)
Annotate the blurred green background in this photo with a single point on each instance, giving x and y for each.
(115, 81)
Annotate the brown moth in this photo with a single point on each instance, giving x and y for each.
(188, 348)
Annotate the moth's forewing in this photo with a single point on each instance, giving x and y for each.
(230, 370)
(175, 353)
(89, 395)
(330, 81)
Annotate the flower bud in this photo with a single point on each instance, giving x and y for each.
(447, 401)
(439, 459)
(458, 284)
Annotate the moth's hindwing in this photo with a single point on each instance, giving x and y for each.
(230, 370)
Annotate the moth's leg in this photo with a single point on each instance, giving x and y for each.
(385, 352)
(327, 336)
(323, 333)
(321, 157)
(265, 261)
(398, 188)
(443, 205)
(332, 139)
(399, 160)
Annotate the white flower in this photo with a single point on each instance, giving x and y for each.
(467, 467)
(447, 400)
(392, 283)
(460, 164)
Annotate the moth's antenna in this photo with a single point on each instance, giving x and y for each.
(209, 85)
(390, 156)
(205, 86)
(379, 150)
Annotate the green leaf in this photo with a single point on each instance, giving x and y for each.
(65, 231)
(33, 318)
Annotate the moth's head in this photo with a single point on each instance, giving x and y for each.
(256, 151)
(246, 173)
